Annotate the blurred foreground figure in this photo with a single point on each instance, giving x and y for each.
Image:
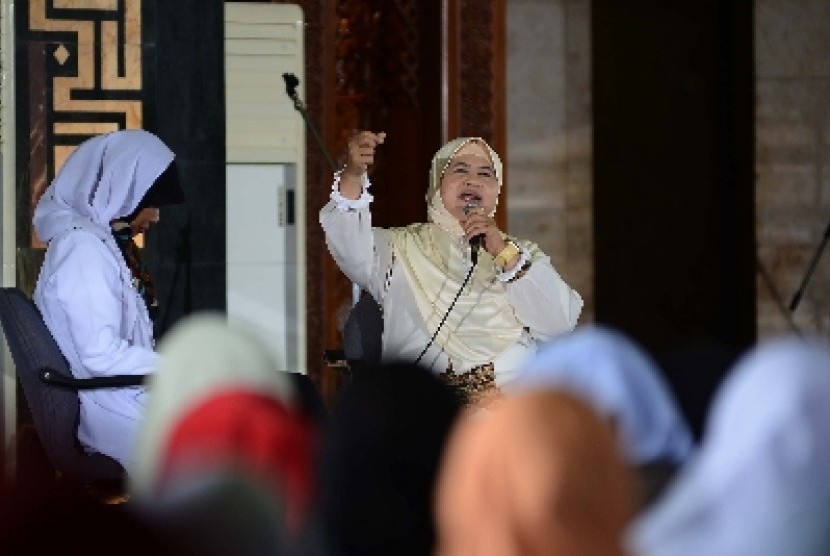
(622, 383)
(759, 485)
(379, 462)
(541, 475)
(222, 414)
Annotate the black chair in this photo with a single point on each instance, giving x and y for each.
(363, 331)
(362, 337)
(51, 392)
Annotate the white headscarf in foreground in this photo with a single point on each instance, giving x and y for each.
(201, 356)
(621, 382)
(482, 326)
(761, 482)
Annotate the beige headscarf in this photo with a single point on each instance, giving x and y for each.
(482, 324)
(541, 475)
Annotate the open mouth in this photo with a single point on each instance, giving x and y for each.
(470, 197)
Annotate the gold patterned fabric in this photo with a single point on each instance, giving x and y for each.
(475, 387)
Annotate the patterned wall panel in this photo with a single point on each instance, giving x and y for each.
(476, 89)
(83, 74)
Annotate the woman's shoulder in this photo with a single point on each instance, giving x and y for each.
(79, 243)
(77, 236)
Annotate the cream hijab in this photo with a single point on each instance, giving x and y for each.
(482, 324)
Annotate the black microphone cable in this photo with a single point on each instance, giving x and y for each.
(443, 320)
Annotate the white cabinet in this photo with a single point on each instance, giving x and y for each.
(265, 138)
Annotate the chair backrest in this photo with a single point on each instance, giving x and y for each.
(54, 410)
(363, 332)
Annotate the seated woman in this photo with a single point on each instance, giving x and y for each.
(473, 324)
(90, 298)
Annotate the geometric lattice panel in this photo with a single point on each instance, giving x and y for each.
(84, 73)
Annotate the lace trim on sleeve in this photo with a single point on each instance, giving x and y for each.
(512, 274)
(345, 204)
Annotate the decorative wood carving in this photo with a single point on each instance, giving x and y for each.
(475, 58)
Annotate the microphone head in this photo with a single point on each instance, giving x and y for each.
(291, 83)
(469, 207)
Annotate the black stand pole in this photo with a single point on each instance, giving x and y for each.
(797, 297)
(291, 83)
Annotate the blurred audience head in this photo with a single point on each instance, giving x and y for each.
(619, 380)
(539, 475)
(219, 406)
(379, 461)
(613, 374)
(759, 484)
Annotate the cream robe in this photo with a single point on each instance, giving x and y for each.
(541, 301)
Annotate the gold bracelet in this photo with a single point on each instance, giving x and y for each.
(505, 255)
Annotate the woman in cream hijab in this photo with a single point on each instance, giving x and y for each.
(514, 297)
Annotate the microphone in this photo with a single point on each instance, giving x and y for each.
(475, 241)
(291, 83)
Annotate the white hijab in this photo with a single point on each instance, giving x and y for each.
(103, 179)
(612, 373)
(482, 324)
(761, 482)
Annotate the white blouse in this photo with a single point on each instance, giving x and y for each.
(81, 295)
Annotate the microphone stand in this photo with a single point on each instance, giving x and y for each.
(798, 294)
(291, 83)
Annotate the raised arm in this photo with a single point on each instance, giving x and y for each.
(360, 155)
(355, 246)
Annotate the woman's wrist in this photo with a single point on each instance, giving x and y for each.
(350, 185)
(351, 195)
(517, 269)
(508, 256)
(351, 171)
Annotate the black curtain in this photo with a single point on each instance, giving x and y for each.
(673, 93)
(185, 105)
